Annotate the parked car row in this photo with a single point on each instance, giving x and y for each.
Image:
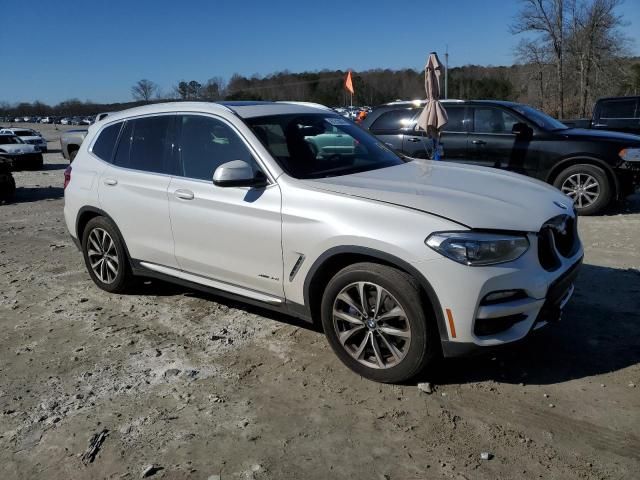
(23, 156)
(356, 114)
(29, 136)
(76, 120)
(592, 167)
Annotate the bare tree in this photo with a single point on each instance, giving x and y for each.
(538, 56)
(213, 89)
(144, 90)
(594, 40)
(547, 18)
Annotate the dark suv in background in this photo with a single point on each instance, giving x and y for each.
(619, 114)
(592, 167)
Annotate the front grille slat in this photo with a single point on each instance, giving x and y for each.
(557, 238)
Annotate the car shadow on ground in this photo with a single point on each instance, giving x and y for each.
(35, 194)
(598, 333)
(147, 286)
(54, 166)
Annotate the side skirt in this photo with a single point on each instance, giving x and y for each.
(283, 306)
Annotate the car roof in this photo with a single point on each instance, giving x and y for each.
(243, 109)
(419, 103)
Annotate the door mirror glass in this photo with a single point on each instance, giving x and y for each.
(521, 130)
(238, 173)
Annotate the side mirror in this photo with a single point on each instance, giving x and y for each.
(238, 173)
(521, 129)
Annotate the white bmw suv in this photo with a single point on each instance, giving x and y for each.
(292, 207)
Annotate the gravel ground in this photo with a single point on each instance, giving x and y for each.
(171, 383)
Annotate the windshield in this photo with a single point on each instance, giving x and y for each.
(24, 133)
(542, 120)
(321, 145)
(9, 140)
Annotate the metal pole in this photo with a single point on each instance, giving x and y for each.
(446, 72)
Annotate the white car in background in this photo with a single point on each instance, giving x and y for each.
(292, 207)
(21, 155)
(28, 136)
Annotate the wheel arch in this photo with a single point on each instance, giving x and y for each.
(85, 214)
(337, 258)
(587, 160)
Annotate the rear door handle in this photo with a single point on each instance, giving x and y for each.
(184, 194)
(413, 139)
(111, 182)
(479, 142)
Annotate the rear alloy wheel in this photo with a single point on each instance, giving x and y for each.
(587, 186)
(375, 322)
(105, 256)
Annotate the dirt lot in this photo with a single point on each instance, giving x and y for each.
(201, 387)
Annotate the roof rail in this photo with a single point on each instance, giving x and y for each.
(306, 104)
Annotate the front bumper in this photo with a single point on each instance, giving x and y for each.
(473, 325)
(628, 175)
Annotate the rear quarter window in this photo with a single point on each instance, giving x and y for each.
(105, 145)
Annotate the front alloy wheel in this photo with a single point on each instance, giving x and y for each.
(371, 325)
(587, 185)
(377, 322)
(582, 188)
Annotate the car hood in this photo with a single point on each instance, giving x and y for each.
(475, 197)
(600, 135)
(15, 148)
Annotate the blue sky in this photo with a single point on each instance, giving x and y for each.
(52, 51)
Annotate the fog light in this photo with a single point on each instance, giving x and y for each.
(502, 296)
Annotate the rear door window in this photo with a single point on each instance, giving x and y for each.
(147, 144)
(400, 119)
(105, 144)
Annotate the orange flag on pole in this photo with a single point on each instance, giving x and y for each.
(348, 83)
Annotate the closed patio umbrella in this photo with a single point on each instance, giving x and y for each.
(434, 116)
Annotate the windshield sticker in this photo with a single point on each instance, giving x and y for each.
(335, 121)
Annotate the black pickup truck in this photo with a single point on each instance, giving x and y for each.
(618, 114)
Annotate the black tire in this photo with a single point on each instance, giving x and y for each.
(605, 191)
(37, 163)
(423, 345)
(123, 278)
(8, 190)
(72, 155)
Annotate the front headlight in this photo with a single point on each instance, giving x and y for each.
(475, 248)
(630, 154)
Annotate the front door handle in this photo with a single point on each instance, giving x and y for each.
(184, 194)
(479, 142)
(111, 182)
(413, 139)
